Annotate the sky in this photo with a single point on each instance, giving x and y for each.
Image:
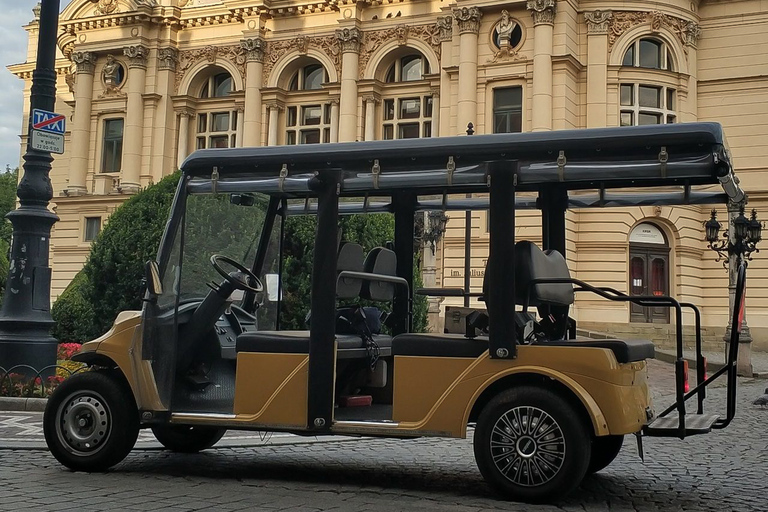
(13, 49)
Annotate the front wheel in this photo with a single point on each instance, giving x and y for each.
(91, 422)
(531, 445)
(187, 438)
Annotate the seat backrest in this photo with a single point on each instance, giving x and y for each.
(350, 258)
(532, 263)
(384, 262)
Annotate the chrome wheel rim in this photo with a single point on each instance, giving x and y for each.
(83, 423)
(527, 446)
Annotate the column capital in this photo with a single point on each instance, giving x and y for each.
(468, 19)
(543, 11)
(444, 28)
(435, 91)
(137, 56)
(371, 98)
(85, 61)
(598, 21)
(186, 112)
(349, 39)
(274, 105)
(691, 34)
(167, 58)
(255, 48)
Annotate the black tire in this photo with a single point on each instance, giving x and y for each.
(604, 450)
(187, 438)
(74, 435)
(531, 418)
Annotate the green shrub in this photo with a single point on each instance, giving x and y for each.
(73, 313)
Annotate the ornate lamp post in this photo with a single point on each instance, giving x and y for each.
(737, 244)
(436, 221)
(25, 320)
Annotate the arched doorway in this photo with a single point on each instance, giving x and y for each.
(648, 271)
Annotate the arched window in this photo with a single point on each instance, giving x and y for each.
(649, 53)
(217, 86)
(216, 115)
(406, 109)
(308, 78)
(410, 68)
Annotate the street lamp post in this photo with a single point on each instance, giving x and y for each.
(25, 319)
(434, 229)
(737, 244)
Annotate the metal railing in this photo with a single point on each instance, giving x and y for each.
(25, 381)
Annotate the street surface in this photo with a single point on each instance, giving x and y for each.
(726, 470)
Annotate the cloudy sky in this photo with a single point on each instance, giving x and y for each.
(13, 48)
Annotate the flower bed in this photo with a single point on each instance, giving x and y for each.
(17, 384)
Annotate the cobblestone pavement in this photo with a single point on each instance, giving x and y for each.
(722, 471)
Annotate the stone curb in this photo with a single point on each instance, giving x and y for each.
(22, 404)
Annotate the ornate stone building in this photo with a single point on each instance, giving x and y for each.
(146, 82)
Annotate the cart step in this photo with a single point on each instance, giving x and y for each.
(694, 424)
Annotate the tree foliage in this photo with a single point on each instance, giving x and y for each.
(8, 184)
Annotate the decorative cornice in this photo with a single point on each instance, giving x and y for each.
(687, 31)
(468, 19)
(430, 34)
(543, 11)
(167, 58)
(598, 21)
(350, 39)
(444, 28)
(137, 56)
(85, 61)
(255, 48)
(187, 58)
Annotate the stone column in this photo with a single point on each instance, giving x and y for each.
(744, 355)
(274, 113)
(162, 136)
(78, 163)
(444, 29)
(334, 120)
(349, 40)
(435, 112)
(597, 67)
(691, 36)
(370, 117)
(182, 146)
(543, 12)
(240, 124)
(468, 19)
(254, 69)
(134, 118)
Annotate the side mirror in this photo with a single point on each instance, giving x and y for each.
(152, 276)
(272, 283)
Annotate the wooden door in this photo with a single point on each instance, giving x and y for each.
(648, 275)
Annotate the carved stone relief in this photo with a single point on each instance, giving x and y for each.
(444, 28)
(687, 32)
(255, 48)
(105, 7)
(350, 39)
(167, 58)
(188, 58)
(598, 21)
(543, 11)
(277, 49)
(430, 34)
(137, 56)
(468, 19)
(85, 62)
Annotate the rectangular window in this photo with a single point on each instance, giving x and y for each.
(310, 116)
(410, 108)
(627, 95)
(408, 131)
(112, 157)
(220, 122)
(92, 228)
(508, 110)
(650, 96)
(648, 118)
(310, 136)
(218, 141)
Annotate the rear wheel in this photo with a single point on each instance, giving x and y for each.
(604, 450)
(91, 422)
(187, 438)
(531, 445)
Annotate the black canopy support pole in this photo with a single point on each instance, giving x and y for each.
(553, 203)
(467, 253)
(500, 268)
(322, 337)
(405, 208)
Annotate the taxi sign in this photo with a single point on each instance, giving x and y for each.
(48, 121)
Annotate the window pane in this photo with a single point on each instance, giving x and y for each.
(410, 108)
(629, 57)
(294, 85)
(290, 138)
(648, 118)
(658, 277)
(671, 119)
(627, 95)
(92, 228)
(389, 110)
(313, 77)
(233, 142)
(112, 153)
(427, 129)
(650, 54)
(411, 68)
(220, 141)
(670, 99)
(637, 276)
(234, 120)
(508, 98)
(327, 113)
(428, 106)
(390, 78)
(388, 131)
(501, 123)
(650, 96)
(408, 131)
(204, 93)
(201, 143)
(220, 122)
(670, 62)
(202, 123)
(310, 116)
(627, 119)
(113, 129)
(310, 136)
(290, 118)
(222, 85)
(327, 135)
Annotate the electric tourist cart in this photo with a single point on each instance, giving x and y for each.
(545, 407)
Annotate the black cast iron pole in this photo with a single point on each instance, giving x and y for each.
(25, 320)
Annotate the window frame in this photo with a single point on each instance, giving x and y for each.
(668, 115)
(105, 140)
(88, 218)
(506, 111)
(667, 59)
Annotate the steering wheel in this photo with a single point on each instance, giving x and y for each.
(241, 284)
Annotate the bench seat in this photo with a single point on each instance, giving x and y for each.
(349, 346)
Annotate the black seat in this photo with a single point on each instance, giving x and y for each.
(438, 345)
(349, 346)
(626, 351)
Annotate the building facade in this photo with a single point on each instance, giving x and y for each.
(146, 82)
